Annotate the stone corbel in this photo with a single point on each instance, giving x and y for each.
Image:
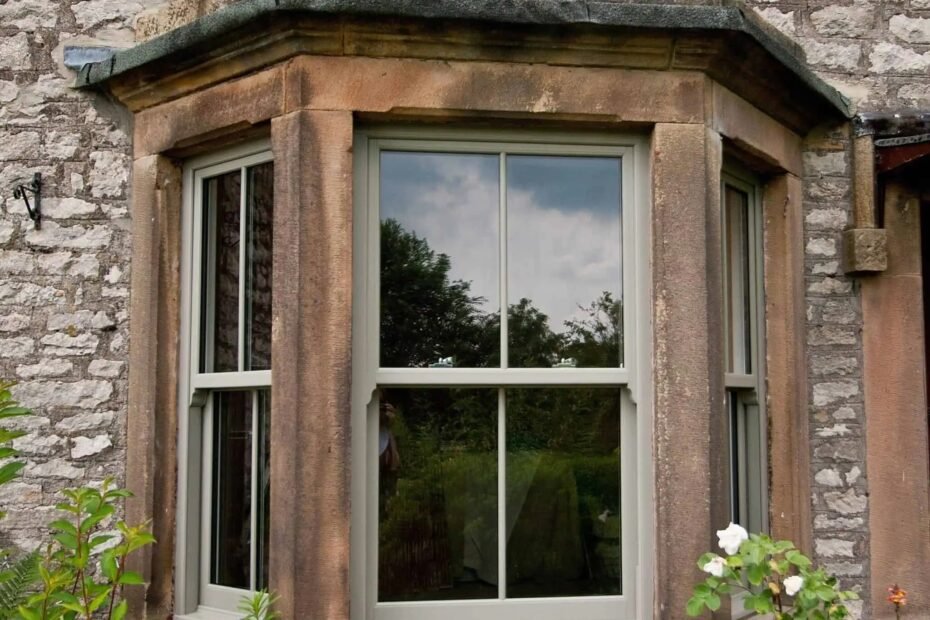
(865, 246)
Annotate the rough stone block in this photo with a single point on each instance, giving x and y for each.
(865, 250)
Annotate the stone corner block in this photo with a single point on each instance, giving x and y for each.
(865, 250)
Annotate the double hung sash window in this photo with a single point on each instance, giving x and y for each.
(495, 348)
(229, 232)
(742, 251)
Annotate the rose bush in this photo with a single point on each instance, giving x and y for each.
(771, 577)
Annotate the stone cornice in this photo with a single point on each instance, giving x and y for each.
(728, 43)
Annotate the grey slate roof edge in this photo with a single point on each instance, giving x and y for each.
(544, 12)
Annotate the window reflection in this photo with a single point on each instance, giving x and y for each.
(440, 266)
(260, 235)
(437, 500)
(221, 273)
(564, 260)
(563, 492)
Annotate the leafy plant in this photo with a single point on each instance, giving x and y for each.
(258, 606)
(17, 581)
(83, 572)
(774, 578)
(9, 408)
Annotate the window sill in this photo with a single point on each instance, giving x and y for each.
(209, 613)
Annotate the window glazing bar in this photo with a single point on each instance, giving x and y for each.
(478, 377)
(231, 380)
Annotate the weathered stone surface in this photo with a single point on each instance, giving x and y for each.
(63, 344)
(821, 246)
(86, 421)
(89, 446)
(836, 548)
(105, 368)
(910, 29)
(14, 322)
(843, 21)
(836, 56)
(865, 250)
(45, 368)
(20, 346)
(14, 52)
(109, 174)
(64, 208)
(52, 235)
(79, 394)
(893, 58)
(830, 392)
(846, 502)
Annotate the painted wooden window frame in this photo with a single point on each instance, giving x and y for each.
(195, 593)
(745, 400)
(633, 377)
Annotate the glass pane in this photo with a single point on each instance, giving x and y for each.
(220, 296)
(564, 261)
(264, 487)
(232, 489)
(563, 492)
(440, 265)
(437, 495)
(260, 235)
(738, 269)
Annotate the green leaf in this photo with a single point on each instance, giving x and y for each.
(131, 578)
(798, 559)
(10, 471)
(695, 606)
(119, 612)
(713, 602)
(755, 573)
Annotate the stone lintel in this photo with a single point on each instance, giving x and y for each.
(865, 250)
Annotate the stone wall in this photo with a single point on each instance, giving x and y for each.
(64, 288)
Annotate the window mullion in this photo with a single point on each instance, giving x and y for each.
(243, 192)
(501, 494)
(253, 497)
(503, 260)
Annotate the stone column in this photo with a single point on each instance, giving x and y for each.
(688, 366)
(311, 361)
(786, 361)
(152, 422)
(896, 421)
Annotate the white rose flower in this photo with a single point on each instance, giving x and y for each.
(715, 566)
(731, 538)
(793, 584)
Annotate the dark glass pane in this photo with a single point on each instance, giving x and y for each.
(232, 489)
(264, 487)
(738, 274)
(437, 499)
(440, 264)
(260, 235)
(220, 301)
(564, 261)
(563, 492)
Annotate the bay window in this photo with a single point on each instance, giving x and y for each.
(495, 347)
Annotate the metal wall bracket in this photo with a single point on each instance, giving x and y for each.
(35, 209)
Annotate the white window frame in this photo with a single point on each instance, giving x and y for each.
(634, 379)
(749, 387)
(195, 597)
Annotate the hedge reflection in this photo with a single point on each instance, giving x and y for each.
(438, 500)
